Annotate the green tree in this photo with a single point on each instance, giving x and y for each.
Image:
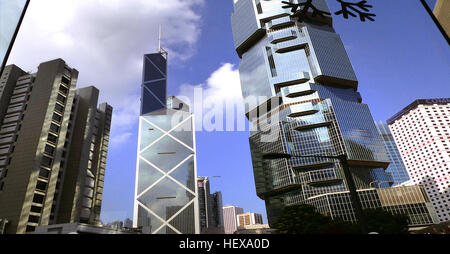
(303, 219)
(383, 222)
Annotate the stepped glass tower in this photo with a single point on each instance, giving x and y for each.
(311, 107)
(166, 200)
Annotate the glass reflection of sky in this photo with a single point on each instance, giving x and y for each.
(10, 12)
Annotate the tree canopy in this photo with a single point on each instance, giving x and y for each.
(303, 219)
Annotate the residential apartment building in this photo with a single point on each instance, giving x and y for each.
(247, 219)
(422, 133)
(46, 174)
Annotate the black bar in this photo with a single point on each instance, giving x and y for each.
(353, 194)
(438, 24)
(14, 37)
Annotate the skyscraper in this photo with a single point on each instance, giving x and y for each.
(166, 200)
(210, 207)
(422, 133)
(12, 13)
(311, 107)
(230, 214)
(53, 143)
(396, 167)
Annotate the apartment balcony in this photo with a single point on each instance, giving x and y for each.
(3, 161)
(23, 81)
(12, 119)
(10, 129)
(15, 109)
(21, 90)
(5, 150)
(7, 139)
(14, 100)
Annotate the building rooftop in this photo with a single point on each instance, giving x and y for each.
(414, 105)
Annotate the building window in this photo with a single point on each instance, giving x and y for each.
(38, 199)
(61, 98)
(57, 117)
(41, 186)
(63, 89)
(52, 138)
(59, 108)
(54, 127)
(50, 150)
(44, 173)
(47, 161)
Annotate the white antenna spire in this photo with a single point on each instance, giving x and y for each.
(160, 49)
(159, 40)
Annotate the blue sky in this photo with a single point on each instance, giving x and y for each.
(398, 58)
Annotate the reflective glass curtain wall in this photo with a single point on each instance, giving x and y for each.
(397, 168)
(166, 200)
(305, 66)
(11, 15)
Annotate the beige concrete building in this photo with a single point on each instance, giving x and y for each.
(247, 219)
(442, 13)
(45, 126)
(422, 133)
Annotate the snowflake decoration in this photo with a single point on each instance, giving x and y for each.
(301, 13)
(361, 5)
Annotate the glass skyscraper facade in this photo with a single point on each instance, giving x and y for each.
(166, 200)
(11, 14)
(307, 104)
(396, 167)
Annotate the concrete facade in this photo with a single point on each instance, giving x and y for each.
(38, 137)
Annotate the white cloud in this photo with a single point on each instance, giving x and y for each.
(120, 139)
(105, 40)
(219, 104)
(223, 86)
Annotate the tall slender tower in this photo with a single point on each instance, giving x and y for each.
(166, 200)
(311, 107)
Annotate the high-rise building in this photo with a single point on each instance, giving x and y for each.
(166, 200)
(210, 207)
(396, 167)
(247, 219)
(12, 13)
(230, 214)
(311, 107)
(53, 146)
(422, 133)
(442, 13)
